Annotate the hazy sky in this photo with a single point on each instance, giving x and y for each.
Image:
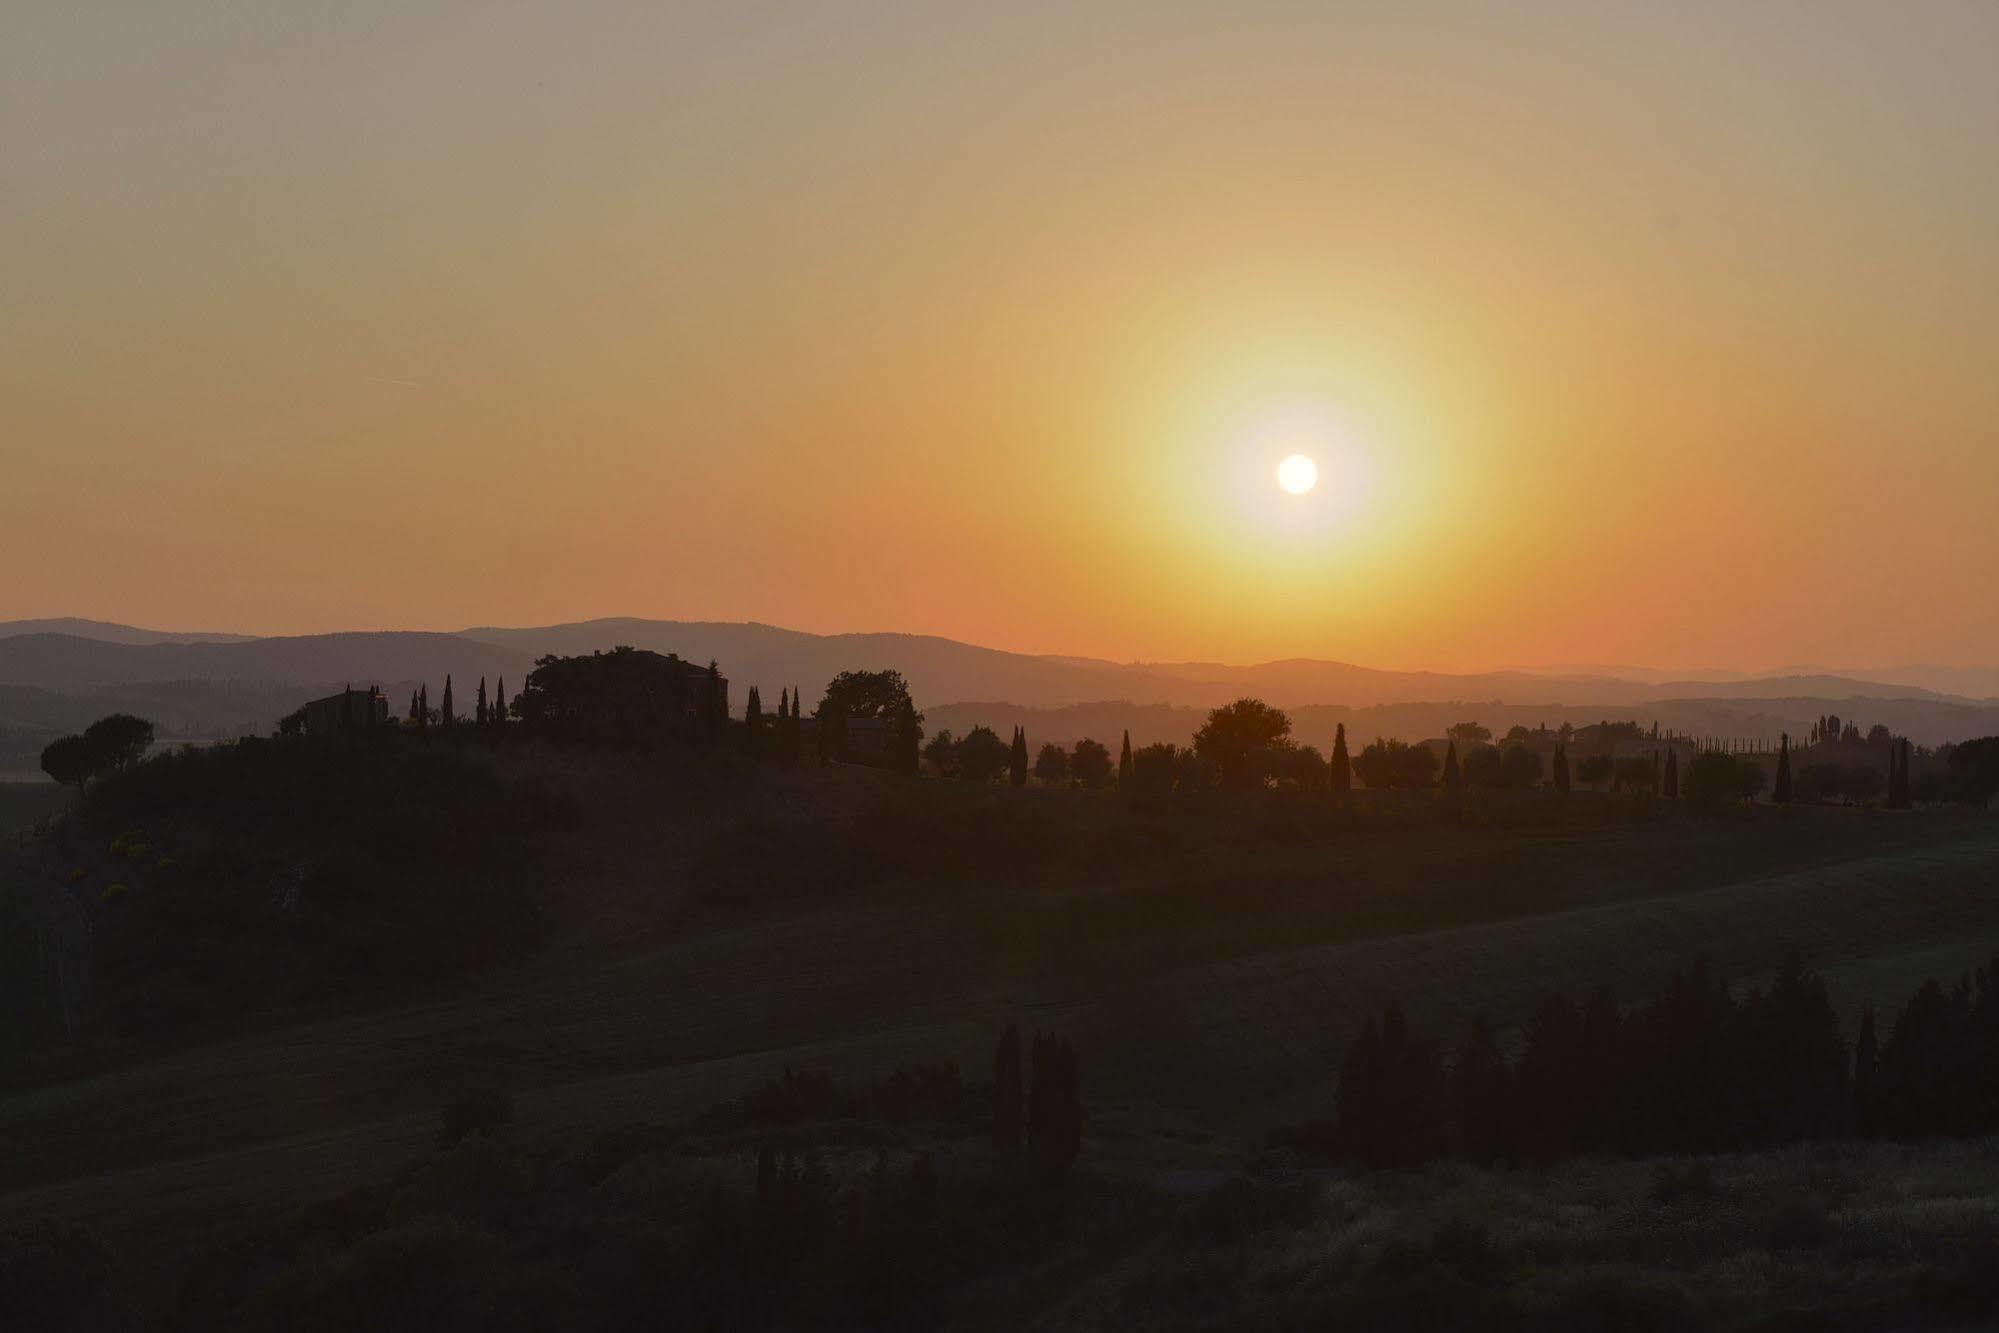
(1621, 332)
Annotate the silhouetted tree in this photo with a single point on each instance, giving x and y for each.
(69, 759)
(1393, 763)
(832, 715)
(1595, 768)
(423, 708)
(117, 741)
(1522, 766)
(1898, 775)
(1481, 1097)
(1451, 764)
(1124, 761)
(753, 723)
(1671, 787)
(1975, 765)
(1017, 759)
(1089, 763)
(1341, 777)
(1471, 733)
(941, 753)
(907, 741)
(1483, 767)
(1055, 1106)
(1562, 769)
(1782, 793)
(982, 755)
(499, 713)
(1389, 1094)
(1637, 773)
(1051, 763)
(1866, 1117)
(446, 715)
(1009, 1097)
(1297, 765)
(718, 701)
(1717, 779)
(479, 705)
(1234, 732)
(783, 737)
(1154, 769)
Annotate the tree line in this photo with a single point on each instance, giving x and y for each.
(1696, 1070)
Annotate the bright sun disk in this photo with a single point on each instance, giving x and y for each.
(1297, 474)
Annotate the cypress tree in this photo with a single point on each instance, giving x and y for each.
(1866, 1078)
(1009, 1091)
(1017, 758)
(499, 713)
(479, 711)
(1672, 784)
(1342, 774)
(832, 731)
(753, 721)
(1451, 765)
(783, 726)
(445, 716)
(908, 739)
(1054, 1109)
(416, 713)
(423, 708)
(1124, 762)
(1780, 791)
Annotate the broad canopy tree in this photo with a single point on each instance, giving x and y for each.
(1090, 763)
(1051, 763)
(982, 755)
(865, 695)
(1240, 740)
(107, 745)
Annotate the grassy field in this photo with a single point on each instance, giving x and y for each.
(1208, 970)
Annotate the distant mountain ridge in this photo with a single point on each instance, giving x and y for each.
(208, 686)
(939, 670)
(105, 631)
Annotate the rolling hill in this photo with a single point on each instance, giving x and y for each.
(205, 685)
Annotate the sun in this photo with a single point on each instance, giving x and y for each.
(1297, 474)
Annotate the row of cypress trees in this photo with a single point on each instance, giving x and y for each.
(784, 726)
(485, 715)
(1698, 1070)
(1046, 1112)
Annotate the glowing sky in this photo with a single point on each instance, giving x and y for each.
(1620, 332)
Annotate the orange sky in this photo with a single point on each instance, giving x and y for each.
(1623, 333)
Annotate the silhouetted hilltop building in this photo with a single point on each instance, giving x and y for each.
(625, 694)
(349, 710)
(869, 737)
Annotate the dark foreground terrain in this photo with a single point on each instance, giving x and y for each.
(719, 1048)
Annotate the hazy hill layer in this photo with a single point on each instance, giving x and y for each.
(106, 632)
(67, 662)
(1925, 721)
(199, 686)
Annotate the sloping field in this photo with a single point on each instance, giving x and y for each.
(1221, 1029)
(1263, 1031)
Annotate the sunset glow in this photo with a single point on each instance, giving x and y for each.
(402, 318)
